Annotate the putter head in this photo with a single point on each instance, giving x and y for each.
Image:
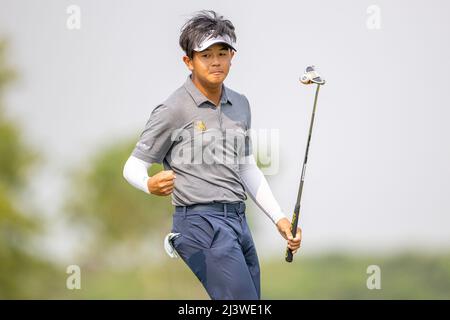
(311, 76)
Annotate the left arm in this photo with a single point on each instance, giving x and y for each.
(259, 191)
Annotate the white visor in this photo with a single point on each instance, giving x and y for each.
(209, 41)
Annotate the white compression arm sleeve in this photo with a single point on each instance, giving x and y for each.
(135, 172)
(259, 190)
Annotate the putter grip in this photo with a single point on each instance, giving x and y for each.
(289, 256)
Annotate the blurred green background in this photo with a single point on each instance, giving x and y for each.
(120, 232)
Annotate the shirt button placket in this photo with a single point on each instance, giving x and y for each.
(220, 117)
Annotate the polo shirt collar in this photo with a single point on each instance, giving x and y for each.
(199, 98)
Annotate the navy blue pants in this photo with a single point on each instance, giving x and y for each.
(218, 247)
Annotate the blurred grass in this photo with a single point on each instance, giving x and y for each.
(406, 276)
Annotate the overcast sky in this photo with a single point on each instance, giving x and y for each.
(378, 176)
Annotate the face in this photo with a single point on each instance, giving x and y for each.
(210, 66)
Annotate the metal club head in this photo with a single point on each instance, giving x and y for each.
(311, 76)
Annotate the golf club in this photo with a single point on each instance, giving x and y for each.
(309, 76)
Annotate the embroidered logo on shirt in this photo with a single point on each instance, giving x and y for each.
(199, 125)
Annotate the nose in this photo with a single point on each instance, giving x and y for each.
(216, 61)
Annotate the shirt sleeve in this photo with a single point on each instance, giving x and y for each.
(248, 141)
(156, 139)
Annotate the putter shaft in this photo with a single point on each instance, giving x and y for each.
(289, 256)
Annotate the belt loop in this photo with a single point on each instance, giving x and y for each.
(184, 212)
(239, 214)
(225, 209)
(241, 210)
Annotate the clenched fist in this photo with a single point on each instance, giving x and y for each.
(161, 184)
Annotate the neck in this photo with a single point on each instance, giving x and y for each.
(213, 93)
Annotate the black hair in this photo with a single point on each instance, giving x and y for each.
(197, 28)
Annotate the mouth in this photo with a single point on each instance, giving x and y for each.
(217, 72)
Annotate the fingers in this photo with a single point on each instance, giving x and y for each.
(294, 244)
(167, 175)
(166, 187)
(164, 192)
(291, 239)
(298, 235)
(288, 233)
(167, 191)
(167, 179)
(165, 184)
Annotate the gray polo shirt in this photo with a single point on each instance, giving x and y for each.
(203, 144)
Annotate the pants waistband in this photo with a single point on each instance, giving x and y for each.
(220, 207)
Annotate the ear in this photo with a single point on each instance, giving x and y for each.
(188, 62)
(232, 55)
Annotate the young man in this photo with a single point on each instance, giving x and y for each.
(190, 132)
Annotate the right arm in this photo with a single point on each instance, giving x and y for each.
(135, 172)
(154, 143)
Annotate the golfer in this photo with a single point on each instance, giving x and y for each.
(201, 135)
